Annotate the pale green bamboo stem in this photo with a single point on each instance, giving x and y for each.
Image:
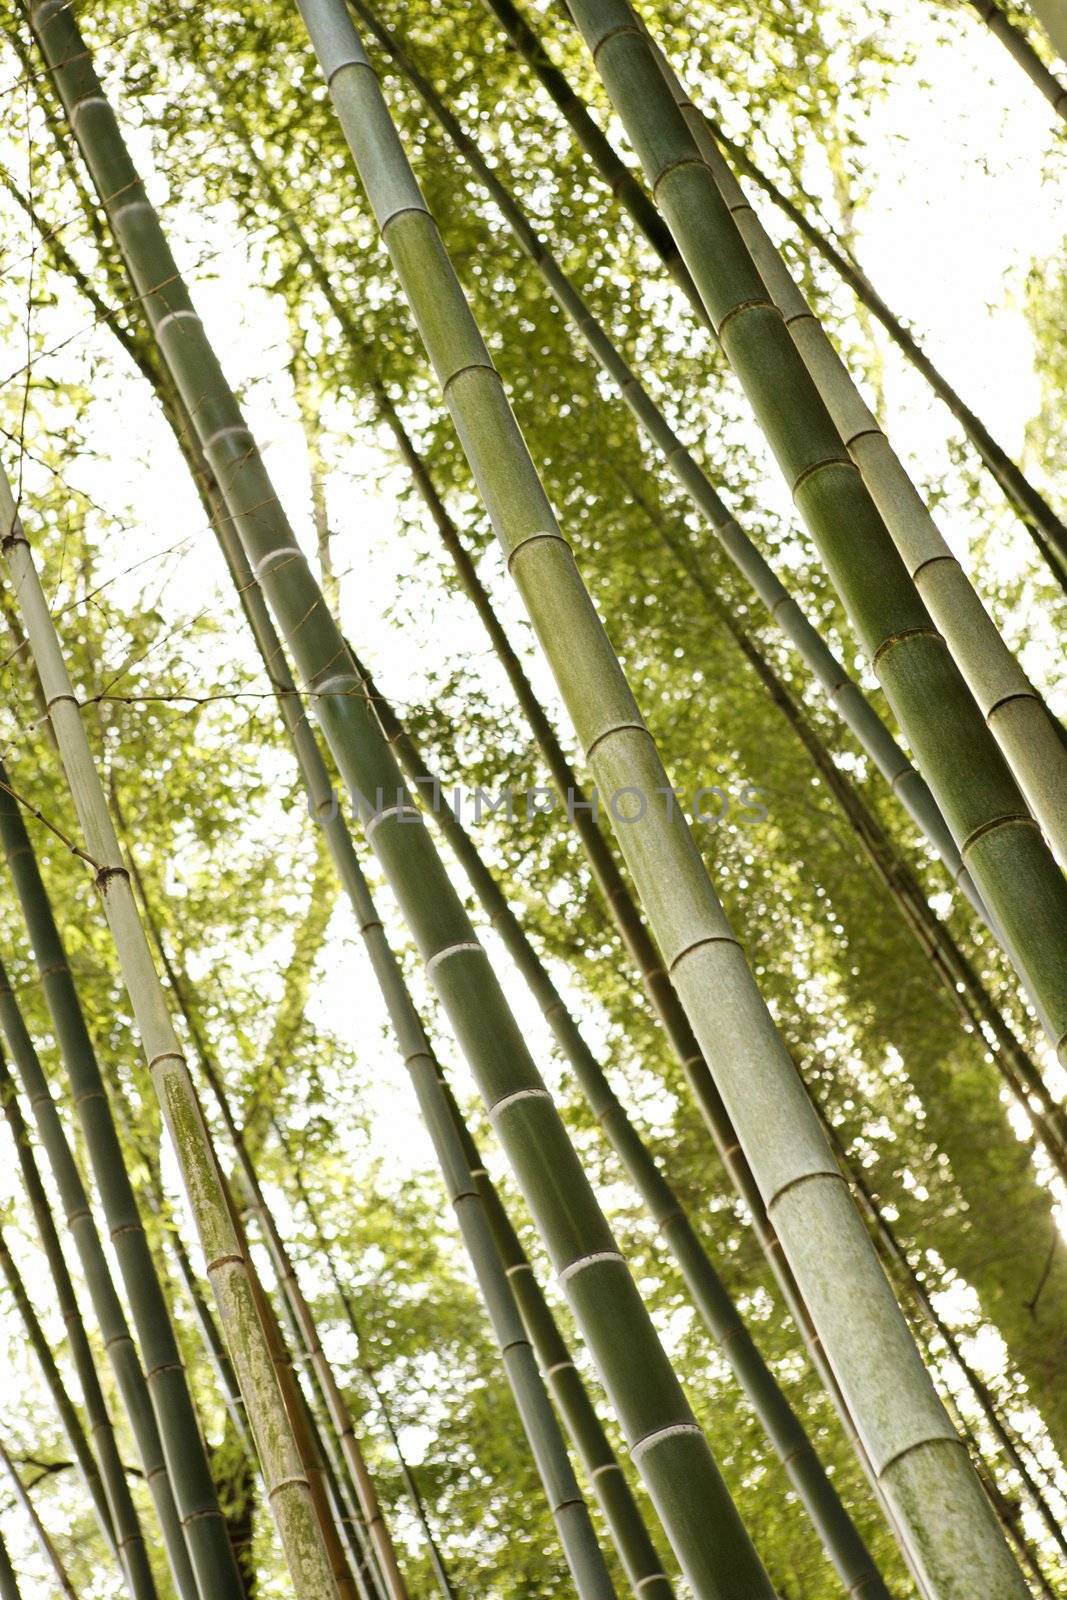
(51, 1554)
(9, 1583)
(77, 1212)
(1023, 53)
(288, 1490)
(71, 1422)
(124, 1528)
(1016, 715)
(906, 1432)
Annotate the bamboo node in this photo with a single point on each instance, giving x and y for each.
(900, 638)
(598, 1257)
(510, 1099)
(673, 1430)
(698, 944)
(1009, 820)
(452, 950)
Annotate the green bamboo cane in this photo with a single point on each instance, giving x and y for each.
(1023, 53)
(1040, 520)
(1027, 736)
(673, 1452)
(68, 1413)
(783, 1428)
(897, 1261)
(123, 1527)
(9, 1583)
(340, 1419)
(1013, 869)
(115, 1334)
(288, 1491)
(905, 1429)
(41, 1534)
(844, 695)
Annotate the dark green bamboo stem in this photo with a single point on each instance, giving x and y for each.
(41, 1534)
(115, 1334)
(1014, 871)
(1023, 53)
(123, 1528)
(629, 1534)
(68, 1413)
(9, 1583)
(784, 1430)
(179, 1430)
(1046, 527)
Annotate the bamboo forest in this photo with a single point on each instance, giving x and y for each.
(533, 803)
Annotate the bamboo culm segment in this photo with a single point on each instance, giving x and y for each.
(48, 1549)
(76, 1052)
(1027, 736)
(905, 1429)
(287, 1488)
(1012, 867)
(122, 1528)
(1022, 51)
(786, 1434)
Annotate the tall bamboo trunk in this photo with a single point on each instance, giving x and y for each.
(67, 1411)
(288, 1491)
(123, 1528)
(1047, 529)
(9, 1583)
(630, 1536)
(906, 1430)
(73, 1039)
(1027, 736)
(1023, 53)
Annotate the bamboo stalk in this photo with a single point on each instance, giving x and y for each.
(1023, 54)
(1026, 734)
(122, 1353)
(122, 1529)
(51, 1554)
(905, 1429)
(340, 1418)
(289, 1493)
(1040, 519)
(785, 1432)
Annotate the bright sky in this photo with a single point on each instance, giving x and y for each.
(961, 204)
